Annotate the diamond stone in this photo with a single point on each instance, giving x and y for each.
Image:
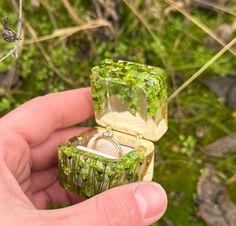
(108, 134)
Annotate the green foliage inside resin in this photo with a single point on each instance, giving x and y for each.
(129, 82)
(88, 174)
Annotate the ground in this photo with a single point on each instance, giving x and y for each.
(55, 57)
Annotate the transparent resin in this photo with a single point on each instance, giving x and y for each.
(88, 172)
(130, 98)
(130, 102)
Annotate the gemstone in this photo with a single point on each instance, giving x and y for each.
(108, 134)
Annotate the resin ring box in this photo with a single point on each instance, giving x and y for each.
(130, 104)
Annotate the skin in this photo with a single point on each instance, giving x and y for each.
(29, 136)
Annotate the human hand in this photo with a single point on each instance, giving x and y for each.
(29, 137)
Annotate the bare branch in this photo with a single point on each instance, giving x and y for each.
(19, 29)
(15, 50)
(8, 54)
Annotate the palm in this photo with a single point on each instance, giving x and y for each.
(38, 177)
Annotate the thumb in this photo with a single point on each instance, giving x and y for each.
(132, 205)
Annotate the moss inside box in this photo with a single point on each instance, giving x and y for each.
(128, 78)
(88, 174)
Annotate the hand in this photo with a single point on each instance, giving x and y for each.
(29, 137)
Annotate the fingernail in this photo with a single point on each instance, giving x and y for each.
(152, 201)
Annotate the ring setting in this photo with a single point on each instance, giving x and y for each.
(108, 135)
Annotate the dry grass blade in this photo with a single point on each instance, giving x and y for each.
(162, 54)
(199, 24)
(47, 6)
(202, 69)
(66, 32)
(217, 6)
(74, 16)
(72, 13)
(51, 12)
(46, 56)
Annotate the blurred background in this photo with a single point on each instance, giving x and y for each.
(62, 40)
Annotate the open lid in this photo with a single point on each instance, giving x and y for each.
(130, 98)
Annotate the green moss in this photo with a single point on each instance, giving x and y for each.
(88, 174)
(181, 208)
(126, 81)
(194, 109)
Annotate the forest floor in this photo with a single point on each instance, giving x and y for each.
(64, 39)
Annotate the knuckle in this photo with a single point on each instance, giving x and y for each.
(113, 212)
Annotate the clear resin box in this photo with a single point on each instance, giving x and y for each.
(130, 104)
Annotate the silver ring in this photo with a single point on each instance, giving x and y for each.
(108, 135)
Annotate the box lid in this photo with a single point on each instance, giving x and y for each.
(130, 98)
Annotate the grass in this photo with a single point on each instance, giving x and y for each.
(54, 58)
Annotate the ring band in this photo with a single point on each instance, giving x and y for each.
(108, 135)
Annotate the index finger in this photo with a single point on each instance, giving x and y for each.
(38, 118)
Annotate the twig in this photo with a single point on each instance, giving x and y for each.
(202, 69)
(15, 50)
(8, 54)
(19, 29)
(10, 76)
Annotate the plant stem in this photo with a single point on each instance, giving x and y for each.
(19, 29)
(202, 69)
(15, 49)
